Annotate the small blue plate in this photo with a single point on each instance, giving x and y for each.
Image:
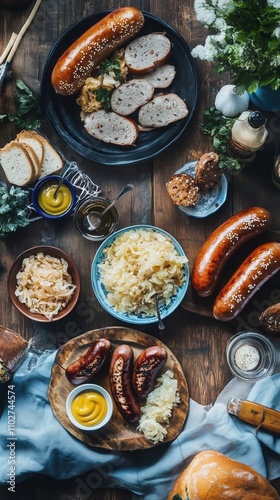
(101, 292)
(209, 202)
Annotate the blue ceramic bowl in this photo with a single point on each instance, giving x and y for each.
(101, 292)
(53, 179)
(208, 203)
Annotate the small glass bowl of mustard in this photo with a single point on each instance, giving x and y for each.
(89, 407)
(109, 221)
(47, 204)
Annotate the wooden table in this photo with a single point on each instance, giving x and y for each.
(197, 340)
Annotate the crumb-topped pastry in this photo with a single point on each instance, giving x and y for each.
(183, 190)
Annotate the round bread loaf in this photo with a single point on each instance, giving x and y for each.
(214, 476)
(270, 319)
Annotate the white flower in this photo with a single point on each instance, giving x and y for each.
(204, 12)
(276, 32)
(275, 61)
(274, 3)
(208, 52)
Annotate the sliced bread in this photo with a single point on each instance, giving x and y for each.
(147, 52)
(162, 110)
(129, 96)
(34, 158)
(162, 76)
(52, 162)
(16, 164)
(28, 137)
(111, 128)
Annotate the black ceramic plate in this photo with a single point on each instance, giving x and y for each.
(63, 114)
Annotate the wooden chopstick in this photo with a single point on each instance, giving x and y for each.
(23, 30)
(8, 48)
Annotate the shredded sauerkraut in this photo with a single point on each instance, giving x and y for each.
(158, 408)
(139, 264)
(44, 284)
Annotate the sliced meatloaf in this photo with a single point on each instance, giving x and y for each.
(162, 76)
(129, 96)
(162, 110)
(111, 128)
(147, 52)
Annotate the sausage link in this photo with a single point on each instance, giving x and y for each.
(222, 243)
(120, 382)
(96, 44)
(255, 270)
(146, 368)
(88, 365)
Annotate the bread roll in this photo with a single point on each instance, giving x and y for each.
(13, 349)
(214, 476)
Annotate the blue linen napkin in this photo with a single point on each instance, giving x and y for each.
(42, 445)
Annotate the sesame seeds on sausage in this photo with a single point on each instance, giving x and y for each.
(95, 45)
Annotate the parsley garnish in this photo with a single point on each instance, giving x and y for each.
(104, 96)
(28, 114)
(106, 66)
(219, 128)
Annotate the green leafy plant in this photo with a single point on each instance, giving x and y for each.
(108, 68)
(13, 209)
(28, 114)
(219, 128)
(244, 39)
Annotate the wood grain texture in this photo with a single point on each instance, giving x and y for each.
(118, 434)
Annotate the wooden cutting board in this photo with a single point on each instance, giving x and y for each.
(118, 434)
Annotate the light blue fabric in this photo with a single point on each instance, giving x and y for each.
(44, 446)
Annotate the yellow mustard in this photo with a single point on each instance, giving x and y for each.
(89, 408)
(54, 205)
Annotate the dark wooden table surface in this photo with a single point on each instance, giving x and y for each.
(197, 340)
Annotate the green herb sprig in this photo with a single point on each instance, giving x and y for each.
(28, 113)
(103, 94)
(13, 209)
(219, 128)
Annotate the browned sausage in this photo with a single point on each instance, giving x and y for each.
(95, 45)
(90, 363)
(222, 243)
(120, 382)
(146, 368)
(256, 269)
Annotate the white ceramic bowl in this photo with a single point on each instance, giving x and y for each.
(91, 405)
(101, 292)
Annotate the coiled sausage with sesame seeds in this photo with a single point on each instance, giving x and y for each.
(255, 270)
(95, 45)
(222, 243)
